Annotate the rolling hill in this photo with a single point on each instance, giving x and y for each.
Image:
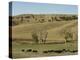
(55, 30)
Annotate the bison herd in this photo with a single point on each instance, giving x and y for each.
(49, 51)
(29, 50)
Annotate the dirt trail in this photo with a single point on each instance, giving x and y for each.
(62, 27)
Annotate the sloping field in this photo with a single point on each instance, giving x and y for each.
(22, 36)
(55, 29)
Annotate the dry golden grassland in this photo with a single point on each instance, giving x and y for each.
(61, 35)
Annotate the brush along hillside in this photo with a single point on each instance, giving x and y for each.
(46, 28)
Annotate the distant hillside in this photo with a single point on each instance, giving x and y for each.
(55, 30)
(57, 26)
(40, 18)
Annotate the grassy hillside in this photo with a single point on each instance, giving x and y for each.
(58, 30)
(55, 29)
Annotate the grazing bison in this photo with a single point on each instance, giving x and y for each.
(35, 51)
(58, 51)
(29, 50)
(45, 51)
(50, 50)
(74, 51)
(64, 50)
(22, 50)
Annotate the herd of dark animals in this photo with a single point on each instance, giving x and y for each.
(49, 51)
